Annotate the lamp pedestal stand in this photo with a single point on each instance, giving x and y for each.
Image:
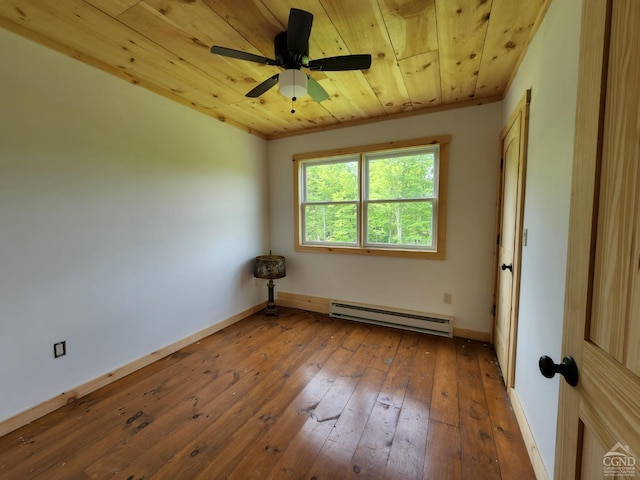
(271, 308)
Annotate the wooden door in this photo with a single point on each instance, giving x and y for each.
(512, 169)
(599, 420)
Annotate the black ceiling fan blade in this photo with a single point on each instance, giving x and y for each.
(341, 63)
(315, 90)
(299, 30)
(263, 87)
(230, 52)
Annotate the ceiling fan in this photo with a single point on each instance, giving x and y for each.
(292, 53)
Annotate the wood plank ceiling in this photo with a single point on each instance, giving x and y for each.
(427, 54)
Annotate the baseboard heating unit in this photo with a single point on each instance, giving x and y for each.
(409, 320)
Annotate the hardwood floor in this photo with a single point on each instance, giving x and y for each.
(303, 396)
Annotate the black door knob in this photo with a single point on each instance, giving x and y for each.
(568, 369)
(507, 267)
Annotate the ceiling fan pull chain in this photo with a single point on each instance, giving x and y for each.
(294, 98)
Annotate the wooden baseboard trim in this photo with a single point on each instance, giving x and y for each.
(527, 435)
(48, 406)
(472, 334)
(303, 302)
(321, 305)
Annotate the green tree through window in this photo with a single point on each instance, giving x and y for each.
(400, 198)
(376, 200)
(331, 190)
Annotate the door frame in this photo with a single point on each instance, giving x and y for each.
(520, 112)
(590, 133)
(582, 220)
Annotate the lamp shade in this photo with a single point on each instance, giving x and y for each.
(269, 266)
(292, 83)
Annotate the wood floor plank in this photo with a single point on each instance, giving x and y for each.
(479, 456)
(81, 419)
(166, 390)
(395, 385)
(303, 450)
(444, 456)
(191, 414)
(307, 444)
(444, 402)
(299, 396)
(512, 454)
(372, 451)
(73, 459)
(196, 447)
(408, 452)
(265, 453)
(386, 350)
(335, 457)
(352, 396)
(333, 403)
(90, 407)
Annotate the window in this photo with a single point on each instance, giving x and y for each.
(385, 199)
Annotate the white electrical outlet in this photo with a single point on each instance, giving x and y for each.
(59, 349)
(448, 298)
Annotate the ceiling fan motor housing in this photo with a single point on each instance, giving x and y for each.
(289, 58)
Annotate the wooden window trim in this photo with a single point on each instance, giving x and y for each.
(443, 175)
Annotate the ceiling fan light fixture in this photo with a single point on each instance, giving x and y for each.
(291, 48)
(292, 83)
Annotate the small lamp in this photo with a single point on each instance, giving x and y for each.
(270, 267)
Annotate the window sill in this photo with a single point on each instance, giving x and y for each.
(375, 252)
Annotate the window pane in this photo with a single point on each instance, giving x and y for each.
(331, 223)
(331, 182)
(408, 175)
(400, 223)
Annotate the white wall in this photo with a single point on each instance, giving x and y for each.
(406, 283)
(550, 69)
(127, 222)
